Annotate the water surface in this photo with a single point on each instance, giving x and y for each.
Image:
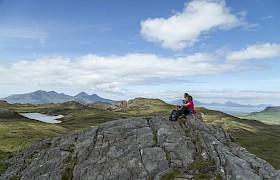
(42, 117)
(234, 110)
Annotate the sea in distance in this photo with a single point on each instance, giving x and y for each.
(234, 110)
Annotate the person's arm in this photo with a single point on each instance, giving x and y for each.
(181, 105)
(187, 104)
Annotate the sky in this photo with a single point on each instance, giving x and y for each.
(216, 50)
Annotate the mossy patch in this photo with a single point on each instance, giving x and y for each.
(174, 173)
(3, 157)
(69, 164)
(15, 178)
(203, 169)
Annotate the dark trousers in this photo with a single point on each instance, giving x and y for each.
(183, 110)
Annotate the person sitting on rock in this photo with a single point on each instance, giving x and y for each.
(190, 105)
(186, 108)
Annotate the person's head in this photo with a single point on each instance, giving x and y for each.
(190, 98)
(186, 95)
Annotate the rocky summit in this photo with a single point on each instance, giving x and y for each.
(140, 148)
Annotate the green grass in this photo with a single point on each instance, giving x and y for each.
(146, 107)
(3, 156)
(70, 162)
(203, 169)
(172, 174)
(265, 117)
(17, 132)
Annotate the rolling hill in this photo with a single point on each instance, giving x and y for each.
(270, 115)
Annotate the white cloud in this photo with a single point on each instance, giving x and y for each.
(242, 97)
(185, 28)
(111, 72)
(111, 88)
(259, 51)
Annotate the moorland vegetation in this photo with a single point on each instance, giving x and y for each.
(17, 132)
(270, 115)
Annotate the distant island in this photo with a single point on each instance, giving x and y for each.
(229, 107)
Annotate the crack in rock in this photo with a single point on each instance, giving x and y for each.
(137, 148)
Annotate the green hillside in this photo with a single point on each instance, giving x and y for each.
(17, 132)
(146, 107)
(265, 117)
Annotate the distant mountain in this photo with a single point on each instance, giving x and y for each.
(271, 109)
(85, 98)
(44, 97)
(197, 103)
(269, 115)
(228, 104)
(232, 104)
(38, 97)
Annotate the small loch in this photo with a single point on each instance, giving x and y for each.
(42, 117)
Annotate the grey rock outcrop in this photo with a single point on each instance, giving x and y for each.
(117, 105)
(138, 148)
(8, 113)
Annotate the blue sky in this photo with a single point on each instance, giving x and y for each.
(214, 49)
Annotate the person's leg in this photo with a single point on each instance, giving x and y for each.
(185, 110)
(178, 113)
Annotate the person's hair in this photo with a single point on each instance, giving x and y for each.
(190, 98)
(186, 95)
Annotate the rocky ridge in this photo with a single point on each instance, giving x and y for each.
(136, 103)
(140, 148)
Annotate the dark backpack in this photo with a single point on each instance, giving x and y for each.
(172, 116)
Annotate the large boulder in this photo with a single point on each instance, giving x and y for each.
(139, 148)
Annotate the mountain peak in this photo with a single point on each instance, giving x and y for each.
(40, 91)
(82, 94)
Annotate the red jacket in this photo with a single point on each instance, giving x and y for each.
(190, 105)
